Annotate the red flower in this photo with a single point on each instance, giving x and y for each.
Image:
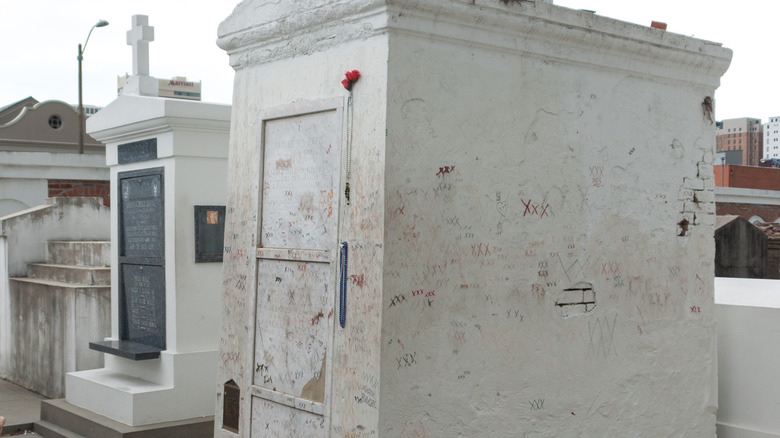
(352, 77)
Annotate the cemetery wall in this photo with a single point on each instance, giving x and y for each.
(45, 334)
(747, 311)
(26, 175)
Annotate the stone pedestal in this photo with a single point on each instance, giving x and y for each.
(526, 248)
(167, 159)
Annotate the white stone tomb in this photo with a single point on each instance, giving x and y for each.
(168, 158)
(528, 233)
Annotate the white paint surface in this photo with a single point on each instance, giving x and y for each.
(748, 312)
(502, 156)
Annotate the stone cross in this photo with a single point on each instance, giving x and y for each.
(139, 36)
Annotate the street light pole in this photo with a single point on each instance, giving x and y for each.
(81, 121)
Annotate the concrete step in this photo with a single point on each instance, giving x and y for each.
(51, 430)
(82, 423)
(81, 275)
(22, 281)
(79, 253)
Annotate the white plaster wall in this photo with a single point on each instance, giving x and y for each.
(23, 237)
(21, 194)
(60, 219)
(5, 307)
(747, 196)
(748, 311)
(511, 176)
(355, 350)
(24, 176)
(200, 181)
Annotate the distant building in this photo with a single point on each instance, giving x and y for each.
(89, 110)
(177, 87)
(750, 192)
(39, 159)
(744, 135)
(772, 138)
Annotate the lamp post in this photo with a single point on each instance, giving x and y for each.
(101, 23)
(723, 170)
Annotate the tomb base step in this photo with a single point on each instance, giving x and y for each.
(79, 253)
(81, 275)
(51, 430)
(125, 392)
(60, 419)
(40, 285)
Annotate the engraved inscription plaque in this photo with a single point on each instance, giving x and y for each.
(137, 151)
(142, 257)
(143, 303)
(209, 233)
(142, 216)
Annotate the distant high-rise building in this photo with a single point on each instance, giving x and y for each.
(743, 134)
(772, 138)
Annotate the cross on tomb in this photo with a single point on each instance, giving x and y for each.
(139, 36)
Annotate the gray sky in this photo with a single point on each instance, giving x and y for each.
(39, 39)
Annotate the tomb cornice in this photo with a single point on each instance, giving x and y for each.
(154, 115)
(565, 35)
(529, 28)
(290, 31)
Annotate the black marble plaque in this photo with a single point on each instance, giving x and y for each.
(209, 233)
(142, 257)
(137, 151)
(142, 219)
(230, 406)
(142, 305)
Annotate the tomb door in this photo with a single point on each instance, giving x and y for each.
(296, 269)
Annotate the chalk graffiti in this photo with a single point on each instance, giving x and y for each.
(406, 361)
(603, 333)
(398, 299)
(535, 209)
(596, 174)
(445, 170)
(480, 249)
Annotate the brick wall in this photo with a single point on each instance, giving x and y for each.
(68, 188)
(767, 212)
(747, 177)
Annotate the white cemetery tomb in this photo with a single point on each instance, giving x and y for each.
(168, 161)
(503, 229)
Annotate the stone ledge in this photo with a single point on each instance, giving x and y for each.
(126, 349)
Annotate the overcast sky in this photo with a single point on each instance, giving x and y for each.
(39, 39)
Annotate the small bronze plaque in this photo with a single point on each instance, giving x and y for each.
(230, 405)
(209, 233)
